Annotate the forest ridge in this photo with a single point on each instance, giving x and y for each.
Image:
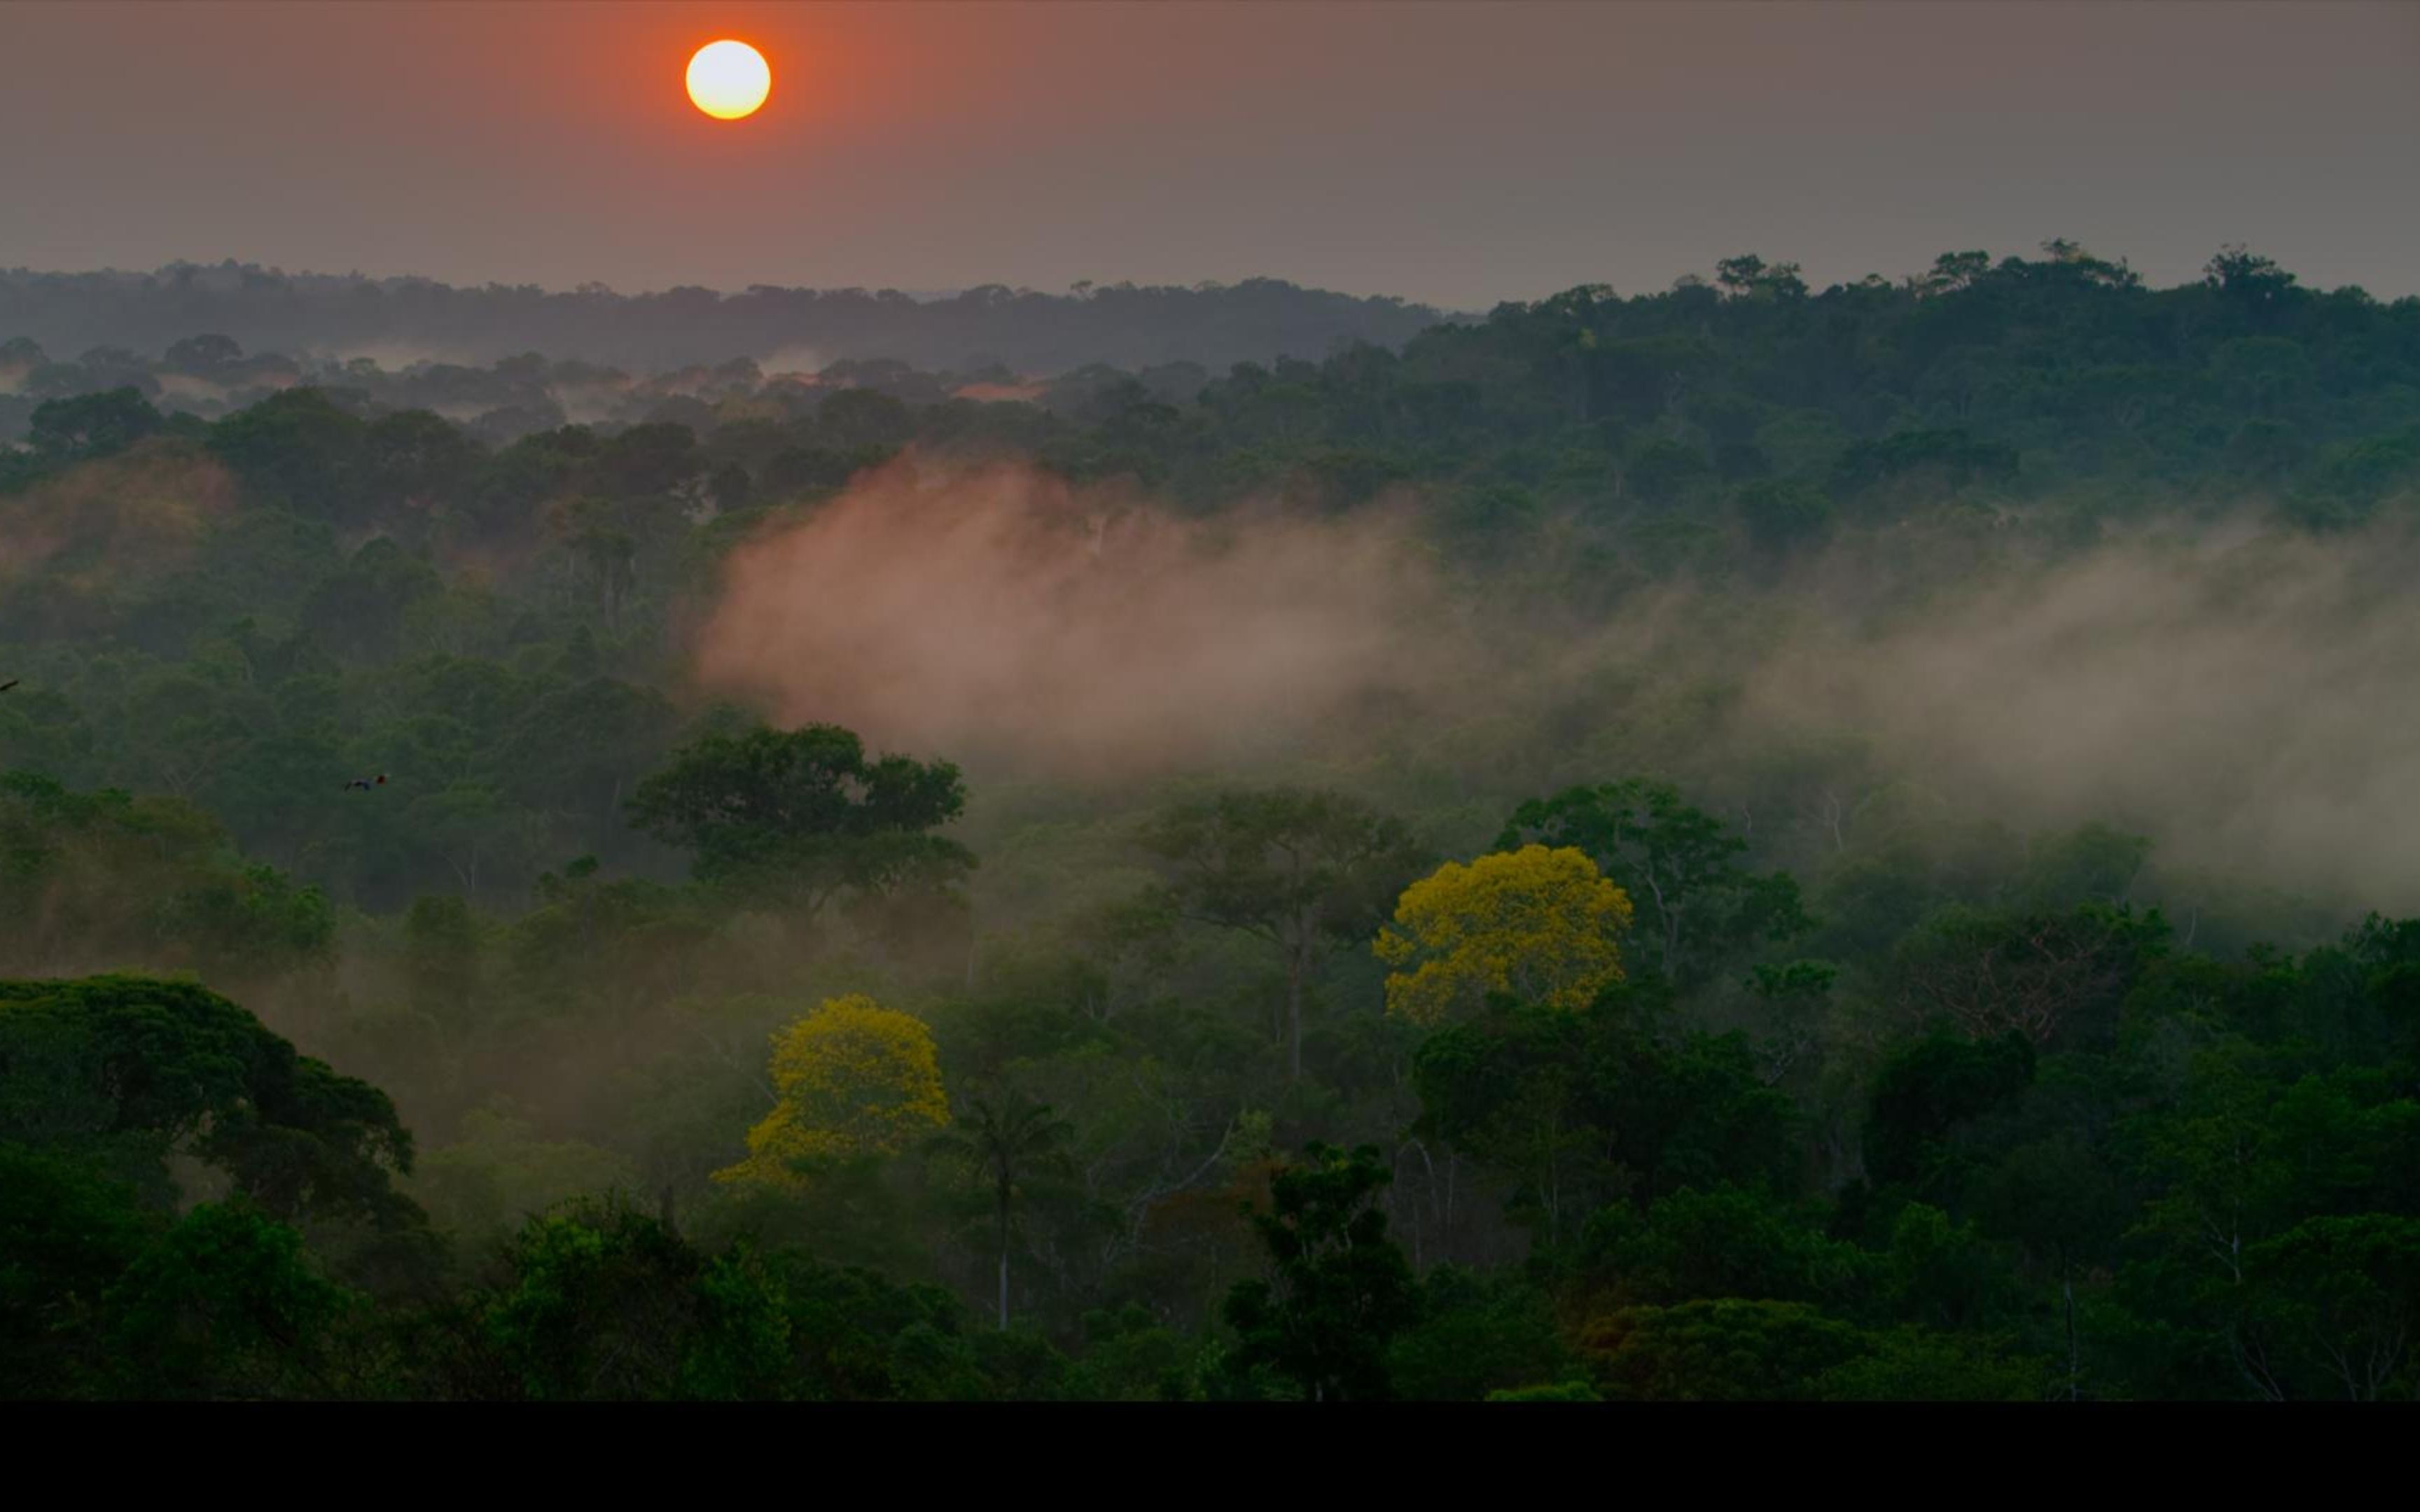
(1256, 319)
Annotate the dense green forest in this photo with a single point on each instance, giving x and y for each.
(1740, 843)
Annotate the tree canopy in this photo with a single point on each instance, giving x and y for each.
(1776, 843)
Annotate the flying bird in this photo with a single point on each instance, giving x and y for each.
(9, 684)
(365, 784)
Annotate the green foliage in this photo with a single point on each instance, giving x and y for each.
(1297, 869)
(298, 448)
(66, 1230)
(563, 1268)
(1127, 1357)
(1513, 1090)
(109, 878)
(92, 425)
(1727, 1351)
(1926, 1091)
(225, 1304)
(2045, 976)
(1940, 1273)
(1725, 1242)
(1477, 1337)
(1783, 515)
(607, 1305)
(804, 816)
(1581, 1108)
(1696, 905)
(1339, 1289)
(114, 1060)
(859, 1337)
(2332, 1310)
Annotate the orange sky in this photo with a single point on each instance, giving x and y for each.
(1457, 153)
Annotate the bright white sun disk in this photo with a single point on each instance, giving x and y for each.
(728, 80)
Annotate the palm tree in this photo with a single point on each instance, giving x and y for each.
(1010, 1142)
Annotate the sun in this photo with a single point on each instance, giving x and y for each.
(728, 80)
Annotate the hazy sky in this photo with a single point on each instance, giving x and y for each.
(1456, 153)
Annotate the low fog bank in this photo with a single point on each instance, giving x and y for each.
(1005, 617)
(2249, 700)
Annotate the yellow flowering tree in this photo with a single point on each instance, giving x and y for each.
(853, 1077)
(1540, 924)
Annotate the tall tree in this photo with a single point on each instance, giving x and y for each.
(803, 815)
(1300, 870)
(1681, 865)
(1541, 925)
(852, 1077)
(1009, 1142)
(144, 1068)
(2041, 975)
(92, 425)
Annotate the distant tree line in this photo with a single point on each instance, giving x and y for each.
(1031, 331)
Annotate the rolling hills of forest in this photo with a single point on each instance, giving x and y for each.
(1741, 842)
